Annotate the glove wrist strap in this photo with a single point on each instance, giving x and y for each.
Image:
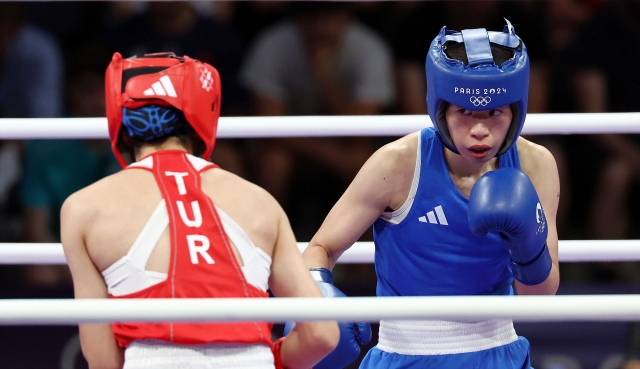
(321, 275)
(535, 271)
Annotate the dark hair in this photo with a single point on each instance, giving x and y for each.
(457, 51)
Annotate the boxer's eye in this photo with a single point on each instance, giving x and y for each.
(494, 112)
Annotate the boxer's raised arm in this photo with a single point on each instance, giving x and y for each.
(379, 186)
(540, 165)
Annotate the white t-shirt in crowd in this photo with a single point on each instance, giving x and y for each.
(277, 67)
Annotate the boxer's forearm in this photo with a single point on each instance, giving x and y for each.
(99, 347)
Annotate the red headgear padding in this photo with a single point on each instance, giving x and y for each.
(164, 79)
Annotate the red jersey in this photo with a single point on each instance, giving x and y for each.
(202, 261)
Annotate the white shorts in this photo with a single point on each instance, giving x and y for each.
(147, 354)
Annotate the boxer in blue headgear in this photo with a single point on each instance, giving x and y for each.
(492, 70)
(462, 208)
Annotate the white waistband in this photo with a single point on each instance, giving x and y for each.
(159, 354)
(437, 337)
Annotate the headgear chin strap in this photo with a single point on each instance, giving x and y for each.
(480, 84)
(164, 80)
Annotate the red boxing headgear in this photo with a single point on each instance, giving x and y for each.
(164, 79)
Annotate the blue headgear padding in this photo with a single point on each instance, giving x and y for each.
(481, 84)
(153, 121)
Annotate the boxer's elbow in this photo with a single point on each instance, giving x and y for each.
(308, 343)
(323, 337)
(329, 337)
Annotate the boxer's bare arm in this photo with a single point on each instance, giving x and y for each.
(539, 164)
(308, 342)
(264, 221)
(97, 340)
(382, 184)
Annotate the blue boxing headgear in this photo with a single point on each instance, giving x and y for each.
(477, 83)
(150, 122)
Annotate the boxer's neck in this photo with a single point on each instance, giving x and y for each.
(171, 143)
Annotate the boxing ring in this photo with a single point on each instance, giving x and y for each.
(520, 308)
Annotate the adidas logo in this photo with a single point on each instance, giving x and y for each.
(435, 218)
(163, 87)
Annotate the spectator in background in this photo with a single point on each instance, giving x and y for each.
(177, 27)
(605, 58)
(564, 19)
(414, 23)
(251, 17)
(32, 72)
(320, 62)
(31, 76)
(54, 169)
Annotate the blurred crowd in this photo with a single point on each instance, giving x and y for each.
(313, 58)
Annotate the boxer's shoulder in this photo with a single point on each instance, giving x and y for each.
(114, 194)
(226, 189)
(400, 151)
(534, 158)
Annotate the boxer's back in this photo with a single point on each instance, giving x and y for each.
(114, 211)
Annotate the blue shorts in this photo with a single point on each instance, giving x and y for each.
(512, 356)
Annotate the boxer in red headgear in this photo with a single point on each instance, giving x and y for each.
(185, 84)
(174, 225)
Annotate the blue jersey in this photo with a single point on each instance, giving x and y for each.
(432, 252)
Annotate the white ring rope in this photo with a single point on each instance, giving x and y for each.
(279, 310)
(323, 126)
(569, 251)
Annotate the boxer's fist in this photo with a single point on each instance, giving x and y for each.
(505, 201)
(352, 334)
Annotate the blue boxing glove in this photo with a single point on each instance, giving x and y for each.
(352, 335)
(505, 201)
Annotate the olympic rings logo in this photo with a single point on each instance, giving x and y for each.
(480, 100)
